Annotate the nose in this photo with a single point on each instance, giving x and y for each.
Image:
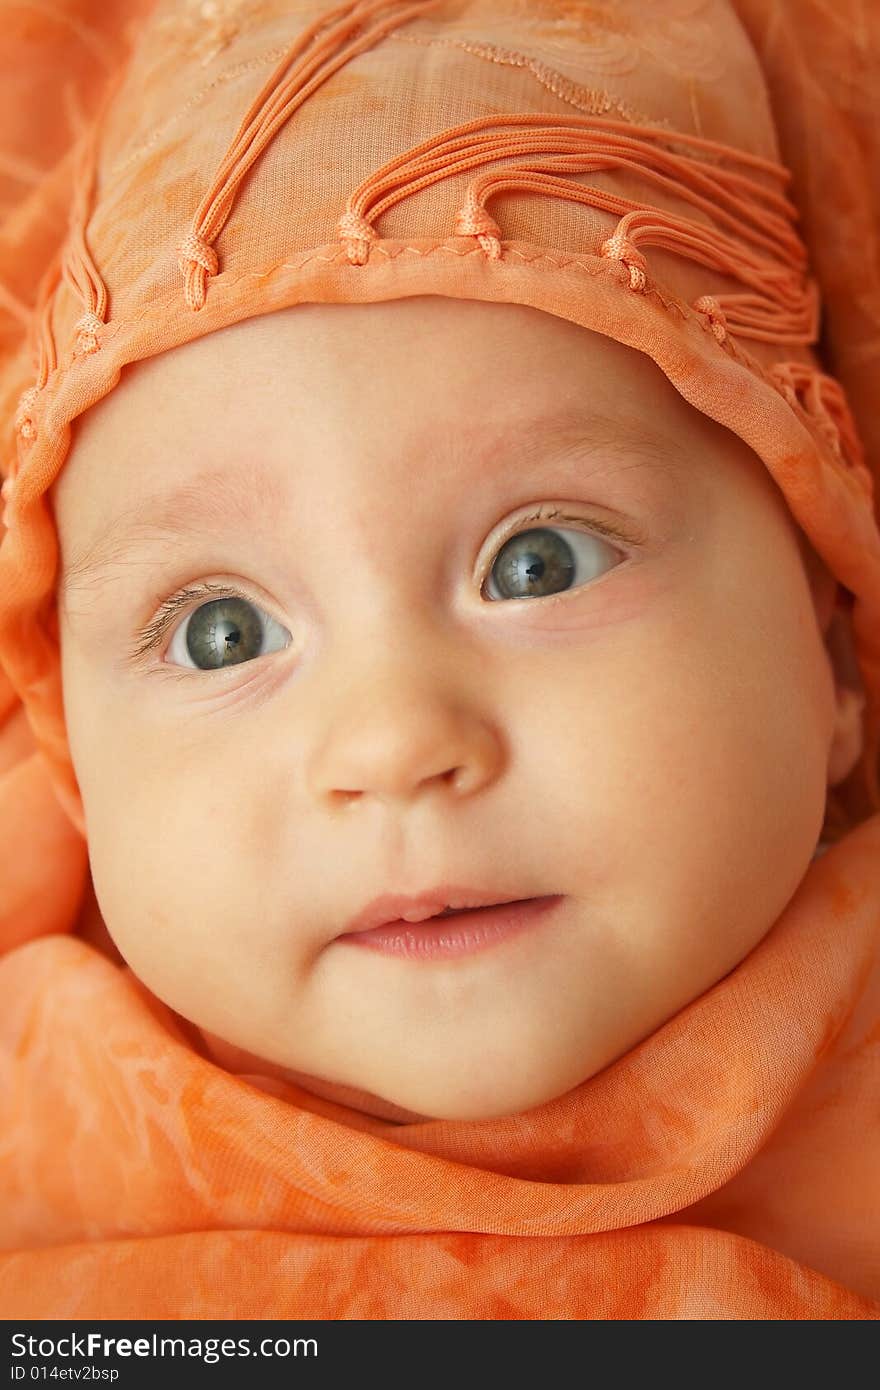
(398, 735)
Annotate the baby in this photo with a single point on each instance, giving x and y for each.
(544, 632)
(440, 671)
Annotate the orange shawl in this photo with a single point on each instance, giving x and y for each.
(727, 1166)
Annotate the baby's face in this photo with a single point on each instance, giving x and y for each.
(401, 694)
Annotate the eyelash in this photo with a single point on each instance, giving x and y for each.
(151, 635)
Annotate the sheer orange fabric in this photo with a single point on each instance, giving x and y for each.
(701, 195)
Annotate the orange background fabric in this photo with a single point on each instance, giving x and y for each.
(729, 1165)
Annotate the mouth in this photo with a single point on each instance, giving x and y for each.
(446, 900)
(454, 932)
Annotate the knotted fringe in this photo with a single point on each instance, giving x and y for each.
(270, 109)
(824, 400)
(753, 237)
(783, 306)
(74, 266)
(196, 256)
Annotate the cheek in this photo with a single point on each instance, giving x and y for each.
(169, 859)
(683, 750)
(182, 907)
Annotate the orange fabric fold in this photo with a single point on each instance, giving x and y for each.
(728, 1166)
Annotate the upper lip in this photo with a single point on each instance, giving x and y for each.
(415, 907)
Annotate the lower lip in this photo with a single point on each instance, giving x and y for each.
(460, 935)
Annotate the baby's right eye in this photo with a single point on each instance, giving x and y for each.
(539, 562)
(224, 632)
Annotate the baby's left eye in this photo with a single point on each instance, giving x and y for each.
(539, 561)
(224, 632)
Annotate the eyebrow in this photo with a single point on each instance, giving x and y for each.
(206, 504)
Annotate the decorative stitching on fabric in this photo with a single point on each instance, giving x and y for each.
(113, 326)
(595, 101)
(229, 75)
(843, 466)
(208, 25)
(596, 267)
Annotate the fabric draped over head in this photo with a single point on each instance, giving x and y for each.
(615, 166)
(696, 179)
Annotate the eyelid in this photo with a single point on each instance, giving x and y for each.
(608, 530)
(149, 636)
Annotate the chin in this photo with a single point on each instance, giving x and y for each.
(479, 1105)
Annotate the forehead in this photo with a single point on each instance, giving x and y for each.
(496, 356)
(457, 386)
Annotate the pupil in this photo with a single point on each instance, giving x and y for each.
(536, 562)
(224, 632)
